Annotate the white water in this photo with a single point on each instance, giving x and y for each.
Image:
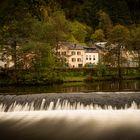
(65, 105)
(101, 116)
(69, 122)
(71, 125)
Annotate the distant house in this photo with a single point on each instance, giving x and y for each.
(101, 47)
(128, 58)
(91, 56)
(78, 55)
(5, 59)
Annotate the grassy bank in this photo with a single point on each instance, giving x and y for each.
(92, 79)
(88, 75)
(73, 75)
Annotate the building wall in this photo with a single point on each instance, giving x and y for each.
(85, 56)
(77, 58)
(92, 58)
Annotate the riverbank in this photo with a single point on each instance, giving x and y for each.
(73, 87)
(67, 75)
(65, 79)
(93, 79)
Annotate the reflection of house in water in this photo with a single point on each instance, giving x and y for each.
(78, 55)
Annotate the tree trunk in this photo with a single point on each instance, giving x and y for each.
(139, 58)
(118, 61)
(14, 47)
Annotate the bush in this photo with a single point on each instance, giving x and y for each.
(101, 70)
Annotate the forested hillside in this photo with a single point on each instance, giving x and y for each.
(120, 11)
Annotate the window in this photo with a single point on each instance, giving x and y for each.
(73, 59)
(80, 65)
(63, 53)
(78, 53)
(78, 59)
(86, 57)
(72, 53)
(93, 57)
(89, 58)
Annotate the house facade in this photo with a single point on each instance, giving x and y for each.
(91, 55)
(78, 56)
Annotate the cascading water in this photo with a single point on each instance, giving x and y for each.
(64, 105)
(90, 116)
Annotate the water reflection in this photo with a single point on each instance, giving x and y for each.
(126, 85)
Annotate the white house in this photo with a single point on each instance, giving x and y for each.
(91, 55)
(78, 55)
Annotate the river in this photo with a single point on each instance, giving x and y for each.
(125, 85)
(72, 111)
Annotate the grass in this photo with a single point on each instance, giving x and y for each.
(74, 79)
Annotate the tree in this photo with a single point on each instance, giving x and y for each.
(118, 41)
(124, 12)
(57, 28)
(15, 29)
(98, 36)
(78, 31)
(135, 42)
(30, 41)
(38, 58)
(105, 23)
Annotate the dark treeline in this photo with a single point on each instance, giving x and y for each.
(121, 11)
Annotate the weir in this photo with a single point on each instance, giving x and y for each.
(77, 101)
(61, 105)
